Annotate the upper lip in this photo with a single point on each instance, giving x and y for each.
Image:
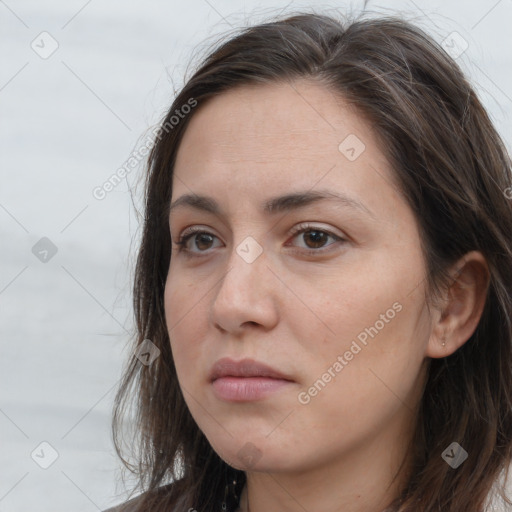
(227, 367)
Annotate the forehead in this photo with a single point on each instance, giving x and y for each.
(259, 139)
(256, 121)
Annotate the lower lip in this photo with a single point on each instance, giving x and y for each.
(246, 389)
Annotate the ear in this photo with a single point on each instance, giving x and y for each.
(462, 308)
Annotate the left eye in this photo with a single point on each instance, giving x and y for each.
(316, 237)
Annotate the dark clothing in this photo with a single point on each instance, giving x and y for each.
(133, 504)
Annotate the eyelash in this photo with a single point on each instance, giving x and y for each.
(301, 228)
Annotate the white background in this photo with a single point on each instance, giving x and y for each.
(68, 122)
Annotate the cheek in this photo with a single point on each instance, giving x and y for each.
(182, 313)
(360, 397)
(351, 309)
(370, 368)
(367, 341)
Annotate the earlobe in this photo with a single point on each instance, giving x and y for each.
(464, 303)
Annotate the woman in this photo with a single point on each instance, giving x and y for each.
(324, 284)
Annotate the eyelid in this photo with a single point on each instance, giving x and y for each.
(198, 228)
(305, 226)
(302, 227)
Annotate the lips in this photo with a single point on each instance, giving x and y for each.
(227, 367)
(246, 380)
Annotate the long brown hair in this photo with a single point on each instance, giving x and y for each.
(455, 173)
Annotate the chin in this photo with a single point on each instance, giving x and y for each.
(252, 455)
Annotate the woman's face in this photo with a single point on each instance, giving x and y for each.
(327, 291)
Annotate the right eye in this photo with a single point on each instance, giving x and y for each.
(200, 236)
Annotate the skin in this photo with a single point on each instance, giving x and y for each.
(297, 311)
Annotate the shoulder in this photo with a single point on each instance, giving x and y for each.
(133, 505)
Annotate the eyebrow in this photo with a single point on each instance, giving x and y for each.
(274, 205)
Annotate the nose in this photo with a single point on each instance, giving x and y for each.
(247, 295)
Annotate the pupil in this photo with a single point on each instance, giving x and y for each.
(202, 236)
(318, 238)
